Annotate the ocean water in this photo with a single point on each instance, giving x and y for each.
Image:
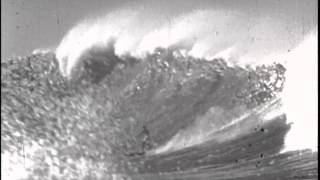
(130, 96)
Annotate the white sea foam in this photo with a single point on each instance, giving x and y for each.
(207, 33)
(300, 95)
(203, 33)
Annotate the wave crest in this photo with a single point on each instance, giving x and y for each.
(202, 33)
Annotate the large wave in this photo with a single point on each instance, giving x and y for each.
(206, 34)
(194, 96)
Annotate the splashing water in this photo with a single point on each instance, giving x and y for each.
(209, 34)
(240, 37)
(300, 95)
(41, 51)
(17, 165)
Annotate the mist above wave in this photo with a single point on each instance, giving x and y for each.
(204, 33)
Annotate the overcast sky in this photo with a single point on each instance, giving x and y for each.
(30, 24)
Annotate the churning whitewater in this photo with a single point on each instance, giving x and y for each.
(140, 94)
(205, 34)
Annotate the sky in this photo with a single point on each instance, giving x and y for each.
(30, 24)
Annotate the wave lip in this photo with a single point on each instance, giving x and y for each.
(156, 103)
(210, 34)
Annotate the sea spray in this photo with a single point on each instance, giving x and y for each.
(300, 95)
(202, 33)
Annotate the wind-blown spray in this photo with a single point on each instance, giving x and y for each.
(201, 33)
(205, 33)
(300, 95)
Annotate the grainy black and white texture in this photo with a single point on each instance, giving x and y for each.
(105, 125)
(210, 90)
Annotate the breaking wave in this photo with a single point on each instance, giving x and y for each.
(204, 33)
(203, 95)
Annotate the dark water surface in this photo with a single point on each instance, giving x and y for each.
(163, 117)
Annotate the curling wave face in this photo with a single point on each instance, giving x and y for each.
(205, 34)
(159, 101)
(163, 117)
